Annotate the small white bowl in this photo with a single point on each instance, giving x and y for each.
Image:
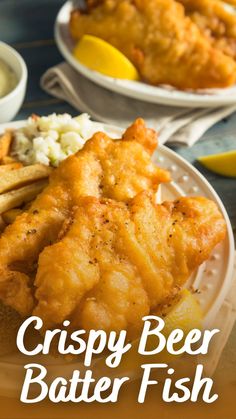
(11, 103)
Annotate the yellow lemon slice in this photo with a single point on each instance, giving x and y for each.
(99, 55)
(184, 313)
(222, 163)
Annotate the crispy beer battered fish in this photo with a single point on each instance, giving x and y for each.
(95, 248)
(114, 169)
(215, 22)
(161, 41)
(118, 261)
(231, 2)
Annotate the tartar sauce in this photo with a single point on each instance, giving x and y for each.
(8, 79)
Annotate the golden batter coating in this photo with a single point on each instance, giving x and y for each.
(117, 169)
(215, 22)
(118, 262)
(164, 44)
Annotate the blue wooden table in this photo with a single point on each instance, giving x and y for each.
(27, 25)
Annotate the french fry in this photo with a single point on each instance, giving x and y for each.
(28, 174)
(14, 199)
(35, 117)
(8, 160)
(8, 167)
(10, 215)
(5, 144)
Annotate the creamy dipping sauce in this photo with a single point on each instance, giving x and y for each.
(8, 79)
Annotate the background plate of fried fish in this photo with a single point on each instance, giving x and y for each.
(127, 168)
(184, 51)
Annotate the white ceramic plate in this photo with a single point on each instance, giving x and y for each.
(213, 279)
(166, 96)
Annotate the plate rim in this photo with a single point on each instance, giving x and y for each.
(165, 96)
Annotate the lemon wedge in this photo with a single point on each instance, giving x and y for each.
(184, 313)
(221, 163)
(99, 55)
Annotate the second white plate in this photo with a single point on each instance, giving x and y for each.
(137, 90)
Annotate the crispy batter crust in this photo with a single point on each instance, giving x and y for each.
(164, 44)
(118, 262)
(116, 169)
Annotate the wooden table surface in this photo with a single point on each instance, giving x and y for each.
(27, 25)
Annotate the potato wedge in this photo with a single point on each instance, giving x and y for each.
(28, 174)
(10, 215)
(14, 199)
(5, 144)
(11, 166)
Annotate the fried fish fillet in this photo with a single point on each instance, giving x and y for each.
(118, 262)
(231, 2)
(215, 22)
(117, 169)
(163, 43)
